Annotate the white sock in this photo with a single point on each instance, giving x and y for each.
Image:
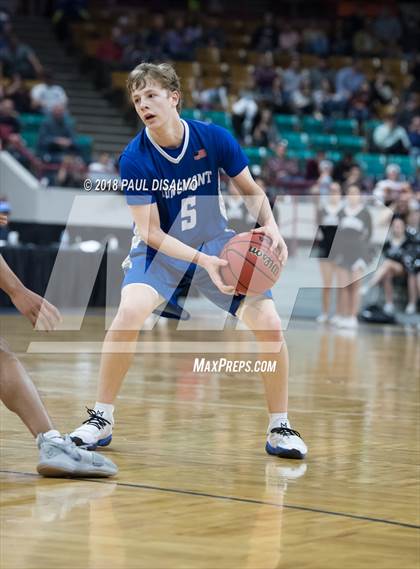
(54, 436)
(277, 420)
(107, 410)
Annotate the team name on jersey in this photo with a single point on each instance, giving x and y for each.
(169, 188)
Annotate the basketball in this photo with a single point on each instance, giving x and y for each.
(253, 268)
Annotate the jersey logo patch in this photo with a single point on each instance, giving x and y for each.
(200, 154)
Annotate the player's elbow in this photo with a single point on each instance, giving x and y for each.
(153, 237)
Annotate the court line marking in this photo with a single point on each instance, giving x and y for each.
(235, 499)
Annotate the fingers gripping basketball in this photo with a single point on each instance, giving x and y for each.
(253, 268)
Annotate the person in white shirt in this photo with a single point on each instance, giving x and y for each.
(391, 138)
(388, 189)
(46, 95)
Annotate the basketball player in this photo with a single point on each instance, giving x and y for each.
(179, 231)
(59, 456)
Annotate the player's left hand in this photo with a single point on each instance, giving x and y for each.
(278, 244)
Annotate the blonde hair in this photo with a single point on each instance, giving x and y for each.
(162, 73)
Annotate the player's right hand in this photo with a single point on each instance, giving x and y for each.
(213, 265)
(42, 315)
(3, 219)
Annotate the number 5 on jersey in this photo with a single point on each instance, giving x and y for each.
(188, 213)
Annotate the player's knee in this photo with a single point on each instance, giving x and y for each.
(268, 328)
(130, 317)
(6, 354)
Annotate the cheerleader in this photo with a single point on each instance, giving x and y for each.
(328, 217)
(350, 251)
(402, 257)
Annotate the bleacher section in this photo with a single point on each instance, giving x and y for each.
(307, 136)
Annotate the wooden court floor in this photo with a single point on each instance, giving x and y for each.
(196, 489)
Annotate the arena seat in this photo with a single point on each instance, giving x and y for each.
(344, 126)
(371, 164)
(286, 122)
(311, 124)
(323, 141)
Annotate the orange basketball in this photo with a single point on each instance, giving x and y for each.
(252, 267)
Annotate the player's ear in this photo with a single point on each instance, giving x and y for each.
(175, 97)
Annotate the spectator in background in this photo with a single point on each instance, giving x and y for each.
(359, 107)
(103, 168)
(265, 37)
(71, 172)
(301, 99)
(319, 73)
(244, 113)
(364, 41)
(388, 189)
(349, 80)
(390, 138)
(315, 40)
(9, 120)
(66, 12)
(275, 98)
(354, 177)
(17, 57)
(289, 40)
(382, 91)
(265, 73)
(327, 102)
(16, 147)
(411, 109)
(343, 167)
(46, 95)
(325, 179)
(154, 39)
(133, 52)
(312, 170)
(176, 41)
(340, 39)
(214, 35)
(399, 253)
(414, 134)
(56, 136)
(292, 77)
(265, 132)
(278, 170)
(16, 91)
(110, 48)
(193, 32)
(387, 28)
(214, 98)
(108, 56)
(406, 206)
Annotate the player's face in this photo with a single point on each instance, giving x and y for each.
(154, 104)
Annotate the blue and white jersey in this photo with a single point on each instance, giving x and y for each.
(183, 182)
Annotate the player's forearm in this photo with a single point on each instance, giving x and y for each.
(9, 282)
(173, 247)
(259, 207)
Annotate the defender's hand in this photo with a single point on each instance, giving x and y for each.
(41, 314)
